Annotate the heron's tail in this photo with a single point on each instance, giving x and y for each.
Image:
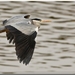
(2, 29)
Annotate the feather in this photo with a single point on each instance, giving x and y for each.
(24, 44)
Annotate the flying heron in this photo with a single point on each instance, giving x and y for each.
(22, 30)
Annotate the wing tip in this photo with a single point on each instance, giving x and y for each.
(26, 59)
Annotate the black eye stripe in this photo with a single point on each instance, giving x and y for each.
(36, 19)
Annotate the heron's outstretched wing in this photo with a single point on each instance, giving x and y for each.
(24, 44)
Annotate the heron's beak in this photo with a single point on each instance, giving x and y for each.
(43, 21)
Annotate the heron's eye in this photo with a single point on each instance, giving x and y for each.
(29, 22)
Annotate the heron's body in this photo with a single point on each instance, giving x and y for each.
(20, 23)
(22, 31)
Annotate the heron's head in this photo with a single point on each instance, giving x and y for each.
(36, 21)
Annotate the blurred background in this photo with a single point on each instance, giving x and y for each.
(55, 48)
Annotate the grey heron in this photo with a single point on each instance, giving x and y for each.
(22, 30)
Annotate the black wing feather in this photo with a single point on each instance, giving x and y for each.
(24, 44)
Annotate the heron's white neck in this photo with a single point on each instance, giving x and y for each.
(36, 29)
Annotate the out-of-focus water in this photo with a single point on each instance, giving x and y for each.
(55, 48)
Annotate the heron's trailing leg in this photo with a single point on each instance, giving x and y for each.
(2, 29)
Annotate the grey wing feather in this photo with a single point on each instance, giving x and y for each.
(20, 23)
